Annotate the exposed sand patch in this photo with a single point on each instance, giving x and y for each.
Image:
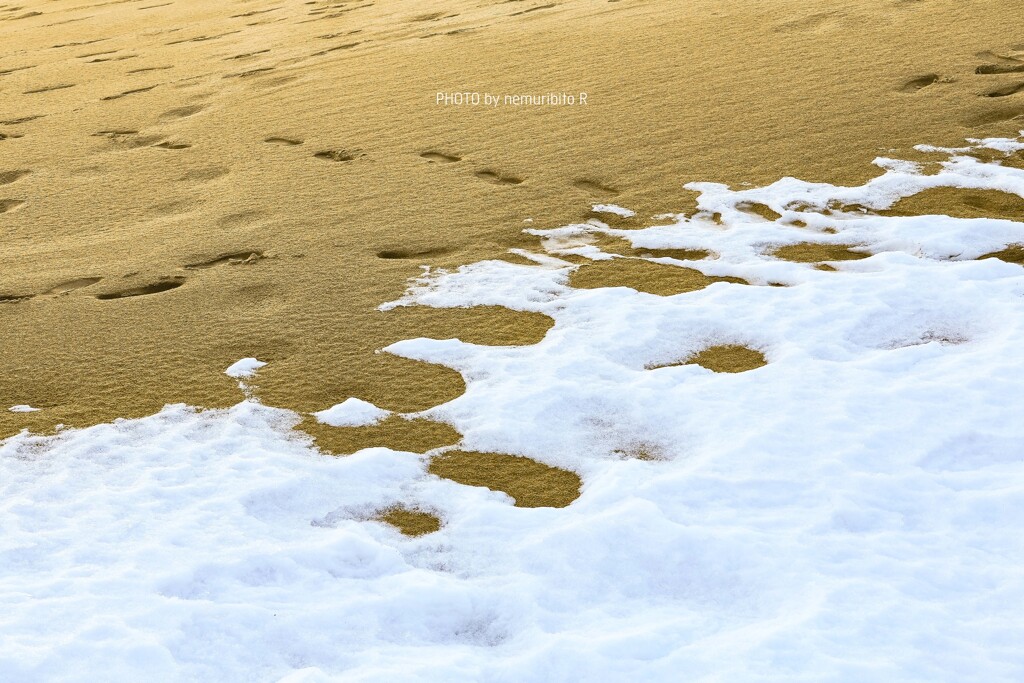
(644, 276)
(617, 245)
(960, 203)
(530, 483)
(396, 432)
(410, 521)
(815, 252)
(1012, 254)
(727, 358)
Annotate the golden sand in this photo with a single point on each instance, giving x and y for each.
(643, 276)
(813, 252)
(729, 358)
(409, 521)
(1012, 254)
(529, 483)
(186, 183)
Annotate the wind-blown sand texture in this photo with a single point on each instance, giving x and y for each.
(183, 184)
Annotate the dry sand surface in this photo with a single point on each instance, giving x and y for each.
(186, 183)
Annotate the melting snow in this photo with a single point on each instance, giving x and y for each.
(852, 511)
(246, 367)
(351, 413)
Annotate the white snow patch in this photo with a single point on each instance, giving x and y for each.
(612, 208)
(352, 412)
(22, 408)
(246, 367)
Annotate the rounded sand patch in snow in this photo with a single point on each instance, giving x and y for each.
(399, 433)
(644, 276)
(959, 203)
(410, 521)
(816, 252)
(723, 358)
(529, 483)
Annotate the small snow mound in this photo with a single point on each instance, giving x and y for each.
(612, 208)
(351, 413)
(246, 367)
(23, 409)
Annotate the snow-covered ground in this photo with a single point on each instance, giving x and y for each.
(852, 511)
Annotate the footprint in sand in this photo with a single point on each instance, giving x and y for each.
(116, 58)
(128, 138)
(181, 112)
(249, 72)
(48, 88)
(532, 9)
(162, 285)
(150, 68)
(21, 119)
(497, 178)
(240, 219)
(72, 285)
(814, 23)
(999, 115)
(1006, 90)
(289, 142)
(594, 187)
(237, 258)
(205, 173)
(172, 145)
(919, 83)
(995, 69)
(8, 177)
(4, 72)
(8, 205)
(246, 55)
(411, 253)
(339, 155)
(125, 93)
(433, 16)
(440, 156)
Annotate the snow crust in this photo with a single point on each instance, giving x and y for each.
(852, 511)
(352, 412)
